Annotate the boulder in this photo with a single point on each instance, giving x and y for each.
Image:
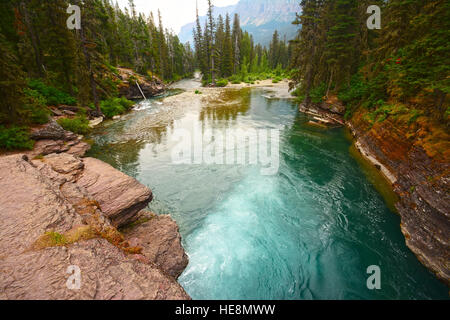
(52, 138)
(161, 243)
(120, 196)
(46, 147)
(49, 131)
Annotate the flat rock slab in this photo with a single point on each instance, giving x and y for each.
(106, 273)
(120, 196)
(161, 243)
(30, 205)
(37, 197)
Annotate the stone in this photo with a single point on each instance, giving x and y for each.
(95, 122)
(45, 147)
(106, 273)
(79, 149)
(31, 204)
(161, 243)
(42, 198)
(120, 196)
(49, 131)
(64, 163)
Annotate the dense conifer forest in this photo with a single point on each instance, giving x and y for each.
(224, 52)
(398, 71)
(44, 63)
(406, 60)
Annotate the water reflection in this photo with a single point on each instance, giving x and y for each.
(228, 107)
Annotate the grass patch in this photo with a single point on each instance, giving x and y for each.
(78, 125)
(54, 239)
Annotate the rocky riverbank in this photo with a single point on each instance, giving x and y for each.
(61, 211)
(420, 181)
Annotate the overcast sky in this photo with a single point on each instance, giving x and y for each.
(175, 13)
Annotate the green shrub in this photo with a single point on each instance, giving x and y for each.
(15, 138)
(206, 80)
(52, 95)
(78, 125)
(115, 106)
(235, 79)
(198, 92)
(318, 93)
(222, 83)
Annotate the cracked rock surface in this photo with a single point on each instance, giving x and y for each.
(62, 193)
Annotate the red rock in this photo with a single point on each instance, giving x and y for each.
(120, 196)
(161, 243)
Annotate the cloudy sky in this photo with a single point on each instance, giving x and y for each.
(175, 13)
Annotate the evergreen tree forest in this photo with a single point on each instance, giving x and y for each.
(224, 52)
(401, 69)
(44, 63)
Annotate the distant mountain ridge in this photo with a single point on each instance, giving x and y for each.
(259, 17)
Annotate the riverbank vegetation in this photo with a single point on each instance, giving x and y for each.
(225, 53)
(44, 64)
(398, 73)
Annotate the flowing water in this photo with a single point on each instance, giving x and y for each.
(308, 232)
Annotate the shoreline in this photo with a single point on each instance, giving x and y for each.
(60, 170)
(421, 208)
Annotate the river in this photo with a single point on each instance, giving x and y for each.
(310, 231)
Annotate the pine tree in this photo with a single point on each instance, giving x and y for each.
(210, 32)
(307, 53)
(340, 52)
(11, 84)
(227, 49)
(236, 42)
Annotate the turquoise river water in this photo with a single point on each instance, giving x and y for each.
(308, 232)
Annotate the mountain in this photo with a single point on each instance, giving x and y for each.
(259, 17)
